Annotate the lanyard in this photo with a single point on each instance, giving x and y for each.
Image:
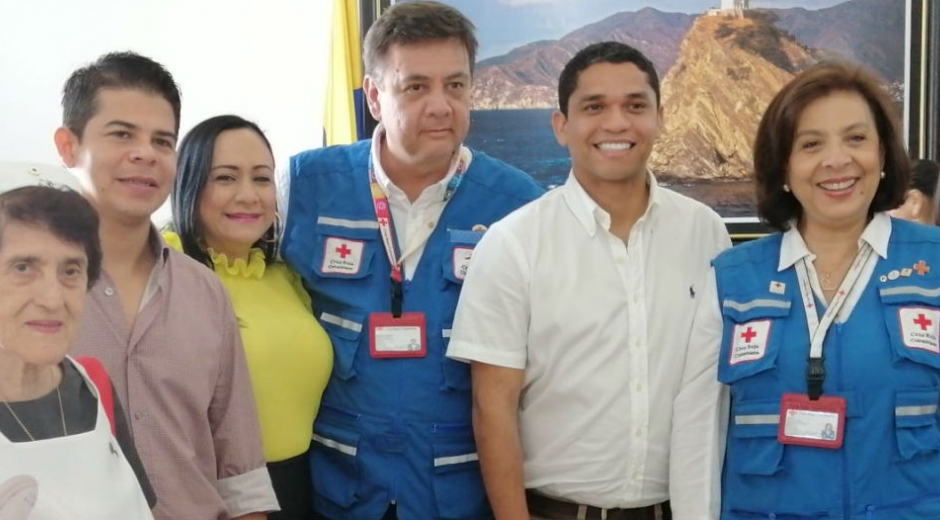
(383, 216)
(817, 329)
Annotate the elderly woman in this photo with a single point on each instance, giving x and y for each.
(827, 331)
(224, 209)
(65, 448)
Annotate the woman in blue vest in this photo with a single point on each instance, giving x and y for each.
(829, 327)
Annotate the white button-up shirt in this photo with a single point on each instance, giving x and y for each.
(601, 328)
(413, 221)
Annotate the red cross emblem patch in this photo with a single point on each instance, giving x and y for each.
(749, 341)
(920, 328)
(342, 256)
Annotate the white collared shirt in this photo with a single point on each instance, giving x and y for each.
(413, 221)
(601, 328)
(793, 249)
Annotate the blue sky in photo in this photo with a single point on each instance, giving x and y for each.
(503, 25)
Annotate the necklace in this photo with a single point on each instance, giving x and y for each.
(65, 431)
(826, 282)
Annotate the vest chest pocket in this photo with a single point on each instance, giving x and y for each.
(915, 419)
(334, 452)
(753, 448)
(345, 248)
(459, 253)
(912, 318)
(752, 338)
(344, 332)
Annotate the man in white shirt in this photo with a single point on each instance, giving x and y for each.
(576, 316)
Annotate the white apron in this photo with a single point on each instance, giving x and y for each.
(84, 476)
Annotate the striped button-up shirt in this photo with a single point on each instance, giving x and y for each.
(180, 373)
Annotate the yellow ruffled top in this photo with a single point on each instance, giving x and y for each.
(253, 268)
(288, 353)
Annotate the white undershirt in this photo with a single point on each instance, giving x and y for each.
(413, 221)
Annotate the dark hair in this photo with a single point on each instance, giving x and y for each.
(604, 52)
(412, 22)
(61, 211)
(925, 174)
(117, 70)
(777, 131)
(192, 173)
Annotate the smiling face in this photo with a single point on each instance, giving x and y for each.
(238, 202)
(611, 125)
(43, 281)
(126, 157)
(836, 161)
(421, 95)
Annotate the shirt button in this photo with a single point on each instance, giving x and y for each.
(639, 387)
(430, 225)
(108, 291)
(639, 432)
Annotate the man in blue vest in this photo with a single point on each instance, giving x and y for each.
(382, 232)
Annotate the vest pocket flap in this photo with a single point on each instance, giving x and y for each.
(344, 251)
(741, 310)
(917, 294)
(754, 434)
(914, 328)
(464, 237)
(756, 419)
(334, 453)
(364, 229)
(458, 484)
(344, 332)
(915, 416)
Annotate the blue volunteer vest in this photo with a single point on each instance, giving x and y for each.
(884, 360)
(390, 430)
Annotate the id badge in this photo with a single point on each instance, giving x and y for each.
(391, 337)
(804, 422)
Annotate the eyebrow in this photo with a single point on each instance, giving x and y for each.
(132, 126)
(853, 126)
(33, 259)
(642, 96)
(422, 77)
(233, 167)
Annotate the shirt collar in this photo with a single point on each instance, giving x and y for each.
(590, 214)
(436, 190)
(159, 246)
(876, 234)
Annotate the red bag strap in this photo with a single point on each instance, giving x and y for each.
(99, 376)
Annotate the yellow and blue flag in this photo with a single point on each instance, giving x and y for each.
(344, 119)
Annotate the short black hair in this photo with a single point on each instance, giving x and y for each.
(776, 133)
(116, 70)
(413, 22)
(192, 173)
(924, 176)
(603, 52)
(61, 211)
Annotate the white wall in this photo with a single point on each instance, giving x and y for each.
(265, 60)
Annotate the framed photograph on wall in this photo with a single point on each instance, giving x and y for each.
(720, 62)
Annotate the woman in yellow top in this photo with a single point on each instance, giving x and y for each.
(224, 212)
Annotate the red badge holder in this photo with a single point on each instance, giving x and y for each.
(817, 423)
(402, 337)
